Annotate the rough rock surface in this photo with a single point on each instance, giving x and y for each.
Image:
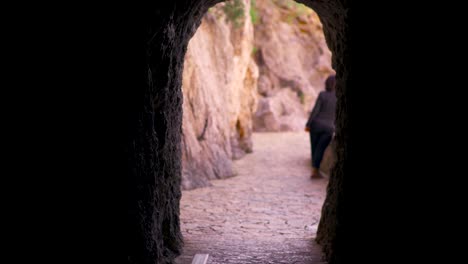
(219, 89)
(154, 121)
(292, 55)
(268, 213)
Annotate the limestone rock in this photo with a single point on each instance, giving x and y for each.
(220, 96)
(291, 54)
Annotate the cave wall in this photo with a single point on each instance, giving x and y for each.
(155, 125)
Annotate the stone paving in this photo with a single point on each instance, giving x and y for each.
(267, 213)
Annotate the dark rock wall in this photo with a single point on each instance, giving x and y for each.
(154, 129)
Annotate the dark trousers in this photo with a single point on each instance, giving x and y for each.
(318, 143)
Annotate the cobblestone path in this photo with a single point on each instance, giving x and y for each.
(267, 213)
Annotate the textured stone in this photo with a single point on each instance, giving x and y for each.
(268, 213)
(220, 97)
(154, 128)
(292, 54)
(279, 112)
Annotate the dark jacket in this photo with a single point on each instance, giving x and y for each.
(322, 117)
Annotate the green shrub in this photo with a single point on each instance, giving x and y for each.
(301, 96)
(254, 50)
(234, 10)
(296, 9)
(253, 12)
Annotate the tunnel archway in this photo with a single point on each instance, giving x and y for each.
(153, 225)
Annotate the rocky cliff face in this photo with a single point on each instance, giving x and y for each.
(261, 72)
(220, 97)
(293, 61)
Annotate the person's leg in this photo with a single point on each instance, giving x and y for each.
(323, 141)
(314, 139)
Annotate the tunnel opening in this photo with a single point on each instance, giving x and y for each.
(156, 156)
(252, 73)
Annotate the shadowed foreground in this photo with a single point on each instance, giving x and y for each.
(268, 213)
